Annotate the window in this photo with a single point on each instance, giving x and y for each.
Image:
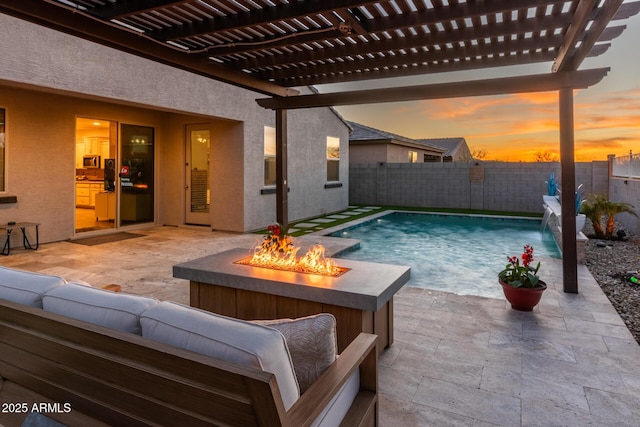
(269, 156)
(333, 158)
(2, 147)
(413, 156)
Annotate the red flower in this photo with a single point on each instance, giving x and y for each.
(527, 256)
(274, 229)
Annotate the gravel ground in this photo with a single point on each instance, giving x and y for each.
(611, 263)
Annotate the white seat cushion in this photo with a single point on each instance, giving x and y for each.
(98, 306)
(224, 338)
(25, 287)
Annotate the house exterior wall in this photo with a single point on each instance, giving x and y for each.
(390, 153)
(367, 153)
(62, 77)
(400, 154)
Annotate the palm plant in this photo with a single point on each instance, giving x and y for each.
(594, 209)
(597, 206)
(611, 210)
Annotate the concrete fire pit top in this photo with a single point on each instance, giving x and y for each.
(366, 286)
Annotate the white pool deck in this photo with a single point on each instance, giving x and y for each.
(456, 360)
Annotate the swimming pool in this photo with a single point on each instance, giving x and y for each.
(455, 253)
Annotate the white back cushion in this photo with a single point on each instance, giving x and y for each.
(224, 338)
(98, 306)
(25, 287)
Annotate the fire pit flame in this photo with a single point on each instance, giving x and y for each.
(313, 262)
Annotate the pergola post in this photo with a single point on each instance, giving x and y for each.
(568, 186)
(282, 187)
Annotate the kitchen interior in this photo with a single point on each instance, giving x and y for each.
(96, 150)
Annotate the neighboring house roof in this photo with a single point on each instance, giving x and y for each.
(451, 145)
(362, 133)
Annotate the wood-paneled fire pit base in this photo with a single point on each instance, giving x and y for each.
(361, 299)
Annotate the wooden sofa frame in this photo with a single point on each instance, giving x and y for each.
(107, 377)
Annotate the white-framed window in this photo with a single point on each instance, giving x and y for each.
(413, 156)
(3, 151)
(269, 156)
(333, 158)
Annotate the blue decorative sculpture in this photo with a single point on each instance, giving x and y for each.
(552, 185)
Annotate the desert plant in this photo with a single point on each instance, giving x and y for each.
(611, 210)
(594, 209)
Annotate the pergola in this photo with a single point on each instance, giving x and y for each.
(272, 46)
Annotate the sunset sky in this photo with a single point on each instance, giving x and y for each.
(516, 127)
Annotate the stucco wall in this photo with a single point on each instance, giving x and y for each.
(496, 186)
(367, 153)
(65, 76)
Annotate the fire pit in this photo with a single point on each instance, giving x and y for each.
(361, 298)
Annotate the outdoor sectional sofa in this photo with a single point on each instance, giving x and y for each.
(79, 355)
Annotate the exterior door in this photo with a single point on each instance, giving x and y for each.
(136, 174)
(197, 173)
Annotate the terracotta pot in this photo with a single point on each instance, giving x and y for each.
(523, 299)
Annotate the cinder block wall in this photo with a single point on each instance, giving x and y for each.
(626, 190)
(498, 186)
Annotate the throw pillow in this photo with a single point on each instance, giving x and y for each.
(312, 343)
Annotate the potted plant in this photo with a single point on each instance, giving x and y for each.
(520, 282)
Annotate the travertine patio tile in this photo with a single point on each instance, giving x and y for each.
(622, 345)
(580, 374)
(478, 354)
(562, 394)
(402, 413)
(305, 225)
(610, 362)
(533, 346)
(537, 413)
(453, 331)
(337, 216)
(468, 401)
(613, 406)
(535, 322)
(402, 384)
(502, 381)
(576, 340)
(615, 331)
(557, 311)
(440, 368)
(351, 213)
(323, 220)
(416, 342)
(609, 318)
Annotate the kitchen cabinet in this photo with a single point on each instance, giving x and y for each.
(86, 193)
(106, 206)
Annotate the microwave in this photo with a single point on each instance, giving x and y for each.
(91, 161)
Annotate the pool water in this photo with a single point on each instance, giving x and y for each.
(454, 253)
